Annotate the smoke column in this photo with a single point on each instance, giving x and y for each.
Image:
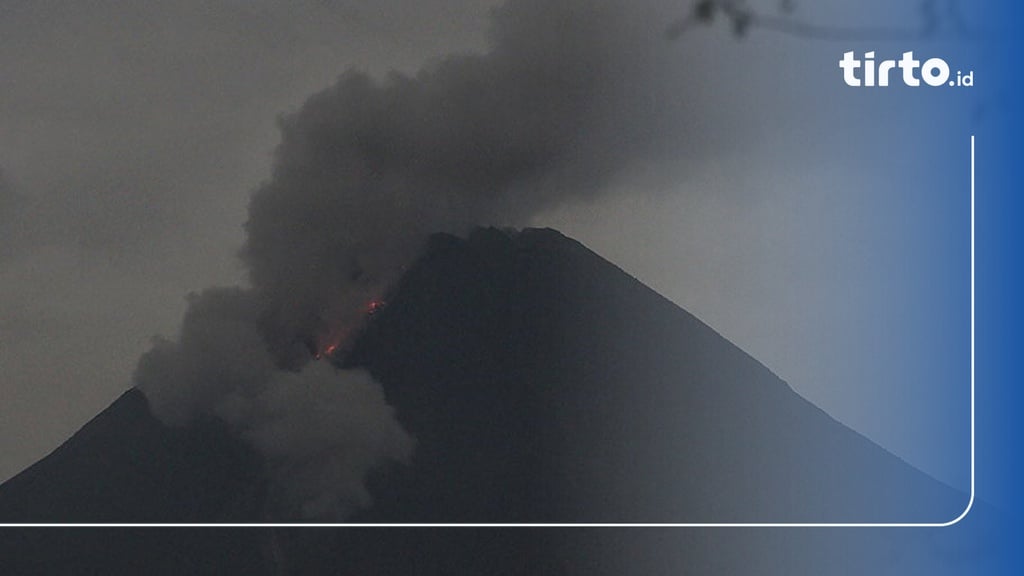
(11, 218)
(365, 171)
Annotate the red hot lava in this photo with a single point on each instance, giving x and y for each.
(331, 342)
(374, 306)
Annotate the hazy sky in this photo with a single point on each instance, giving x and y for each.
(132, 133)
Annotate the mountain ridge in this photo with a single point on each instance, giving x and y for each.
(542, 385)
(536, 285)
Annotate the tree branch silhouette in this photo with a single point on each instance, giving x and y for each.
(934, 17)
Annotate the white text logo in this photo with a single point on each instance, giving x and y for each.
(932, 72)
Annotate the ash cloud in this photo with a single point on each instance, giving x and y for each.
(12, 214)
(320, 429)
(366, 169)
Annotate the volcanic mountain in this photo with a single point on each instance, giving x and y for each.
(541, 384)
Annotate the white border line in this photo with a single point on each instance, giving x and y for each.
(967, 510)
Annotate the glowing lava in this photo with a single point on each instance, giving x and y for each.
(332, 342)
(374, 306)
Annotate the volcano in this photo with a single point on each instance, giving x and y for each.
(542, 384)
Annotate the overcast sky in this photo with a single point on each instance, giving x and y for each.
(132, 133)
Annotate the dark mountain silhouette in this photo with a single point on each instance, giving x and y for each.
(542, 384)
(125, 465)
(530, 366)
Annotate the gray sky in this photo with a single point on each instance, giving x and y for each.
(131, 135)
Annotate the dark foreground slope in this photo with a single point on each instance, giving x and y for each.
(125, 466)
(541, 384)
(544, 384)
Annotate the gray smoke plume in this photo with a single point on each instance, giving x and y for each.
(11, 225)
(319, 429)
(365, 170)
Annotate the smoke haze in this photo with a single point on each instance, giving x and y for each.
(366, 169)
(11, 204)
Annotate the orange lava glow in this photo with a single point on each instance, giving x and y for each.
(333, 340)
(374, 306)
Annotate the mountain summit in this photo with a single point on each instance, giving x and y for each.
(544, 384)
(541, 384)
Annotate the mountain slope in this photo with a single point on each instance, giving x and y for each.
(125, 466)
(542, 384)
